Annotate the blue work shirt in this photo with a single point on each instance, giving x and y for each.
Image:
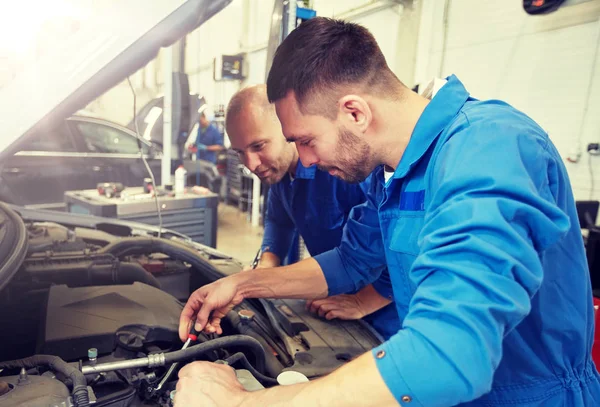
(209, 136)
(481, 238)
(317, 205)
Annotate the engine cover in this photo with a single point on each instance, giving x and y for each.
(37, 391)
(81, 318)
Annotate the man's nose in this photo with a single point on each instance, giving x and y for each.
(252, 161)
(307, 156)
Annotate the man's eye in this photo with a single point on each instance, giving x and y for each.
(258, 147)
(305, 142)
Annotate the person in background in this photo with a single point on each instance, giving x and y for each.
(209, 140)
(305, 199)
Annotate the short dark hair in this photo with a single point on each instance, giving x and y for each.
(324, 53)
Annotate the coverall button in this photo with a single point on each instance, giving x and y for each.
(380, 354)
(406, 399)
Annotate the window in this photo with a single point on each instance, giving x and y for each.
(100, 138)
(58, 139)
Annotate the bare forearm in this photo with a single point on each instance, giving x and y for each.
(214, 147)
(372, 301)
(358, 383)
(304, 279)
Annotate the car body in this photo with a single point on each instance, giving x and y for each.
(81, 152)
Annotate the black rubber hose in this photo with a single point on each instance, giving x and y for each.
(129, 273)
(241, 341)
(273, 364)
(56, 364)
(240, 357)
(143, 245)
(86, 273)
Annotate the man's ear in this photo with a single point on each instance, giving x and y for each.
(355, 112)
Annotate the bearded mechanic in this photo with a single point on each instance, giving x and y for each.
(307, 199)
(470, 206)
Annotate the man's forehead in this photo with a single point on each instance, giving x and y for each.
(289, 115)
(248, 136)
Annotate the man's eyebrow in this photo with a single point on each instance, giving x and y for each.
(295, 137)
(254, 143)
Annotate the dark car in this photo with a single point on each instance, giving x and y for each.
(80, 153)
(150, 117)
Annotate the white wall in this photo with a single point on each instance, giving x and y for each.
(543, 65)
(244, 26)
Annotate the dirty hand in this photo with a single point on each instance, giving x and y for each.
(343, 306)
(209, 385)
(217, 298)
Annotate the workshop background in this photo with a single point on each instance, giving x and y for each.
(545, 65)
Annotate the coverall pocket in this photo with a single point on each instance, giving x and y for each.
(402, 251)
(405, 233)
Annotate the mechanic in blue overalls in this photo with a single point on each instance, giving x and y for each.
(209, 140)
(470, 207)
(304, 199)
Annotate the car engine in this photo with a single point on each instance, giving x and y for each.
(90, 316)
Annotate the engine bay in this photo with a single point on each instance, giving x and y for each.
(91, 317)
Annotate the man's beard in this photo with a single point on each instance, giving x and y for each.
(277, 170)
(353, 158)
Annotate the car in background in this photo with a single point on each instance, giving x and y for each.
(78, 154)
(150, 125)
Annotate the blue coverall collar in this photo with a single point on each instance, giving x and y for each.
(436, 116)
(303, 172)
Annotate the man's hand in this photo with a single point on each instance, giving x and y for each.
(208, 385)
(219, 298)
(343, 306)
(349, 306)
(301, 280)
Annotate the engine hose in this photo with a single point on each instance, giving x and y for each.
(273, 364)
(142, 245)
(56, 364)
(242, 341)
(89, 273)
(240, 357)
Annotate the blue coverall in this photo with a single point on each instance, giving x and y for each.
(208, 137)
(478, 228)
(317, 205)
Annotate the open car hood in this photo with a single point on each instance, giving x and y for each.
(113, 43)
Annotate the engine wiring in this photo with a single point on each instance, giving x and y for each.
(139, 143)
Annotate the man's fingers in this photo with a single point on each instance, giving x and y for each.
(192, 306)
(184, 324)
(203, 315)
(194, 369)
(314, 307)
(327, 307)
(333, 315)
